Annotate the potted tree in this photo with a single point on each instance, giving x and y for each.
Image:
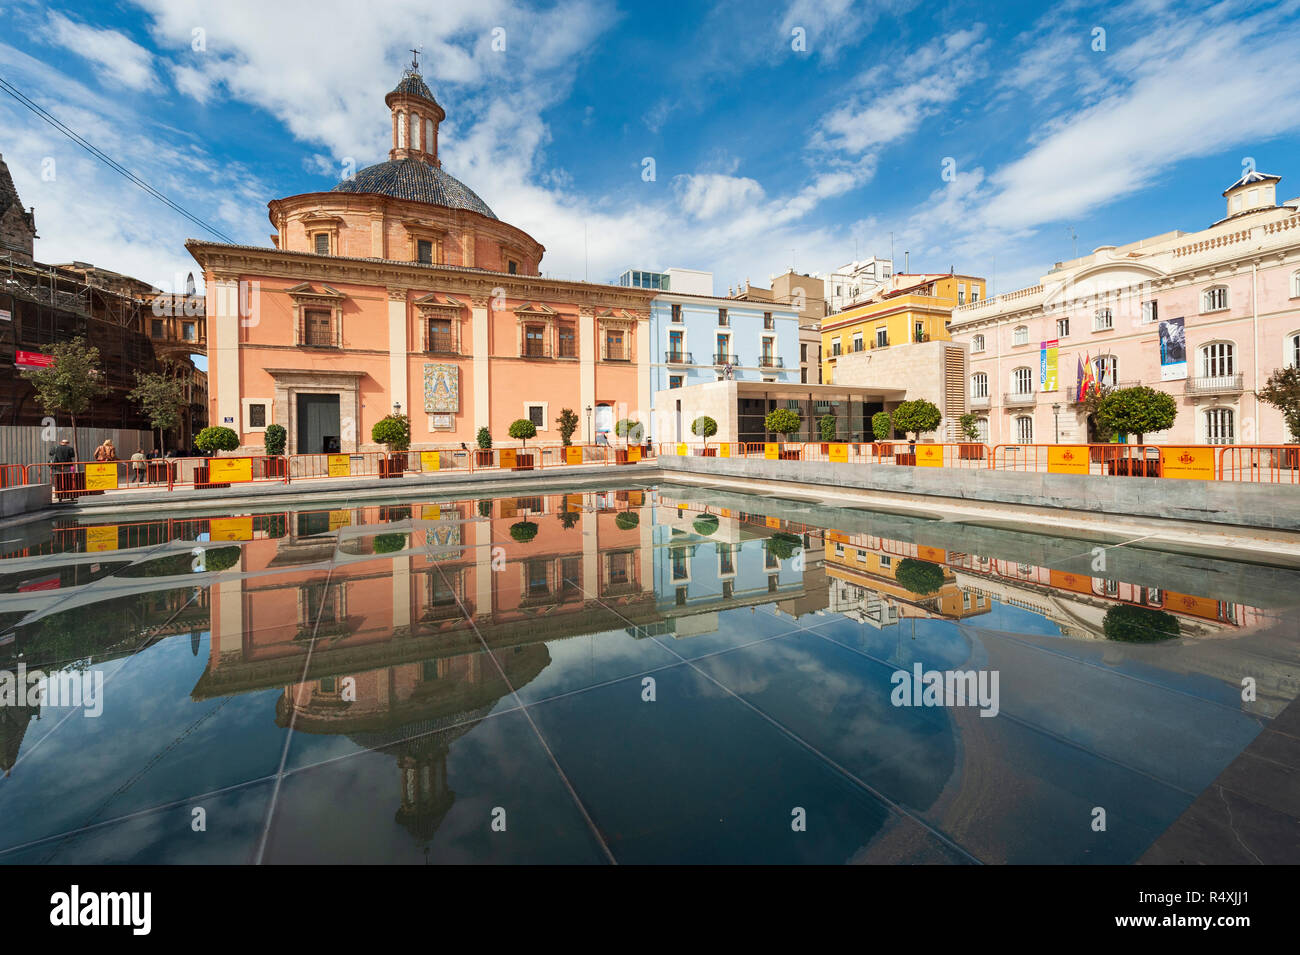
(69, 385)
(211, 440)
(485, 508)
(921, 577)
(394, 433)
(784, 422)
(1136, 410)
(882, 428)
(972, 449)
(916, 418)
(1282, 391)
(521, 429)
(568, 423)
(523, 531)
(705, 427)
(627, 429)
(626, 520)
(275, 465)
(483, 456)
(826, 425)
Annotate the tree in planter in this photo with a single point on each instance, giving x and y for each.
(70, 383)
(882, 426)
(161, 399)
(393, 432)
(1138, 410)
(627, 429)
(826, 425)
(216, 438)
(521, 429)
(1091, 404)
(568, 423)
(1129, 624)
(705, 427)
(389, 543)
(1282, 391)
(626, 520)
(968, 427)
(917, 418)
(523, 531)
(276, 438)
(921, 577)
(782, 546)
(783, 421)
(484, 439)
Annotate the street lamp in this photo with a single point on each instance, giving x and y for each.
(397, 407)
(1056, 415)
(591, 439)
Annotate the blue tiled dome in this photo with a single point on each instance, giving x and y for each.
(416, 180)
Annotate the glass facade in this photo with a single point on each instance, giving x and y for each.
(852, 415)
(634, 278)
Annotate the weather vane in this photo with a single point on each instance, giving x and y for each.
(415, 61)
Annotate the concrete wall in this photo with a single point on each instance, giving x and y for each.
(24, 500)
(716, 399)
(1212, 502)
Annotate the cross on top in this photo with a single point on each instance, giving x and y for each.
(415, 61)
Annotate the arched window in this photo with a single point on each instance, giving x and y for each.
(415, 130)
(428, 135)
(1217, 360)
(1107, 369)
(401, 130)
(1291, 349)
(979, 385)
(1024, 429)
(1022, 381)
(1214, 299)
(1020, 335)
(1219, 426)
(977, 343)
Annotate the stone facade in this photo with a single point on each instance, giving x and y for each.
(17, 225)
(933, 371)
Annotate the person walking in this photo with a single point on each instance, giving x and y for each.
(62, 455)
(138, 462)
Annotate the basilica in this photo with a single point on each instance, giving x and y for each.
(400, 290)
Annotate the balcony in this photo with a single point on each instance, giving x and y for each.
(725, 359)
(1215, 385)
(617, 353)
(535, 349)
(679, 358)
(441, 345)
(979, 401)
(771, 361)
(1017, 399)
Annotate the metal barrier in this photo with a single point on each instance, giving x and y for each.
(1263, 463)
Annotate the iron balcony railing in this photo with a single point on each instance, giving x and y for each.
(725, 359)
(771, 361)
(680, 358)
(1214, 385)
(979, 401)
(1019, 399)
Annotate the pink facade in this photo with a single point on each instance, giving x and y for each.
(1231, 294)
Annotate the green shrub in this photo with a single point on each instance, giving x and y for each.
(568, 422)
(626, 520)
(630, 430)
(216, 439)
(484, 508)
(1139, 411)
(917, 417)
(220, 558)
(484, 439)
(276, 437)
(967, 423)
(882, 425)
(782, 546)
(1129, 624)
(826, 425)
(389, 543)
(523, 531)
(705, 427)
(705, 524)
(394, 432)
(921, 577)
(568, 519)
(521, 429)
(783, 421)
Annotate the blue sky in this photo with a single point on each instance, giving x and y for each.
(765, 155)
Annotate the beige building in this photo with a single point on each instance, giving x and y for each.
(807, 294)
(933, 371)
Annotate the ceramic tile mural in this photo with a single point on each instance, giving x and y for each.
(441, 388)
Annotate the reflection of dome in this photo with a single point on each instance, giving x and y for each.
(416, 180)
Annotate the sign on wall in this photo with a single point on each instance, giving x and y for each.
(1173, 350)
(1048, 361)
(441, 388)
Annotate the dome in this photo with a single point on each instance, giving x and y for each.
(418, 181)
(413, 84)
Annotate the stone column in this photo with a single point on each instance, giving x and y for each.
(401, 571)
(590, 552)
(642, 344)
(482, 360)
(398, 348)
(587, 364)
(482, 568)
(223, 349)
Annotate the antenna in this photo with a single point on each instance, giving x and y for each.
(1074, 240)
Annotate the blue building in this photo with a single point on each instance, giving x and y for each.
(702, 338)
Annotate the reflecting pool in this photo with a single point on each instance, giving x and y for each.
(652, 674)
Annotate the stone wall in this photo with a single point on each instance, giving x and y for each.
(918, 367)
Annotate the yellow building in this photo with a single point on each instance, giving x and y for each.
(913, 308)
(869, 565)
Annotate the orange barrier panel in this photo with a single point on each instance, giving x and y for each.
(1261, 463)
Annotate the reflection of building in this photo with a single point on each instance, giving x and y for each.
(401, 289)
(864, 584)
(1232, 289)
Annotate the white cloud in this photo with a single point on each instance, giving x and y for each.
(120, 59)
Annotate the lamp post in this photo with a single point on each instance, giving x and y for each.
(591, 438)
(1056, 415)
(397, 407)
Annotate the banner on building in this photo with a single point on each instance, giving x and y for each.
(1173, 350)
(1048, 360)
(32, 359)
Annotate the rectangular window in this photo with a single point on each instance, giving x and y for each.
(1020, 336)
(1103, 320)
(803, 354)
(189, 332)
(568, 342)
(1150, 312)
(322, 243)
(677, 312)
(674, 381)
(424, 251)
(440, 342)
(882, 337)
(535, 341)
(317, 329)
(512, 267)
(1062, 328)
(723, 356)
(835, 347)
(768, 322)
(722, 317)
(156, 328)
(857, 342)
(920, 331)
(257, 416)
(537, 415)
(615, 349)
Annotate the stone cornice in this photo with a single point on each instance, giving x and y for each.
(232, 261)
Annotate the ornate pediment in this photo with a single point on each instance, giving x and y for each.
(306, 292)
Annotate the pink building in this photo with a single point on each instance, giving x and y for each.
(1205, 316)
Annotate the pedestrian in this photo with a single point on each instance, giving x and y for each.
(62, 454)
(138, 462)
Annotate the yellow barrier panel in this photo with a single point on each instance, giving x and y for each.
(724, 450)
(634, 453)
(431, 460)
(1067, 459)
(340, 519)
(431, 512)
(936, 555)
(1065, 580)
(929, 455)
(1195, 464)
(101, 477)
(681, 450)
(573, 455)
(508, 456)
(839, 453)
(771, 451)
(1205, 607)
(340, 465)
(837, 537)
(230, 529)
(230, 470)
(773, 522)
(101, 539)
